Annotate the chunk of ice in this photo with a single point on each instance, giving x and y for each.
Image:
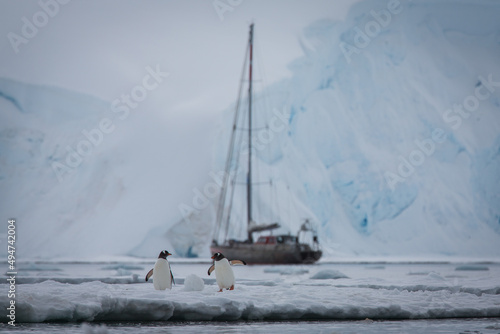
(328, 274)
(193, 283)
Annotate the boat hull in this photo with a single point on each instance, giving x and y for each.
(269, 254)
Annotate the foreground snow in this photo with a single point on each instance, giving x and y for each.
(282, 293)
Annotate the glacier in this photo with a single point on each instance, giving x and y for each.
(391, 147)
(385, 142)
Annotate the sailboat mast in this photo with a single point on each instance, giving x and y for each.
(249, 175)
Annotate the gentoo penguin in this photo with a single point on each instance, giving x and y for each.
(223, 272)
(162, 274)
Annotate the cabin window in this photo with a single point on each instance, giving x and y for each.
(266, 240)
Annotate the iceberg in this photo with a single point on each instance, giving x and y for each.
(390, 144)
(393, 147)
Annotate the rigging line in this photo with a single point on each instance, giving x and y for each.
(264, 101)
(254, 183)
(233, 181)
(239, 146)
(262, 72)
(289, 202)
(230, 208)
(249, 174)
(275, 204)
(222, 199)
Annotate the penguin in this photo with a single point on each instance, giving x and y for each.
(223, 272)
(162, 274)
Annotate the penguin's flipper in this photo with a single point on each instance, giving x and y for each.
(171, 275)
(212, 267)
(233, 262)
(150, 273)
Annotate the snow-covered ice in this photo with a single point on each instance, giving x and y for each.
(393, 291)
(193, 283)
(328, 274)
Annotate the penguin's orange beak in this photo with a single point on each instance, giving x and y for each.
(168, 253)
(213, 256)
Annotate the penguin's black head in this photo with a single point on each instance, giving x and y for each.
(164, 254)
(218, 256)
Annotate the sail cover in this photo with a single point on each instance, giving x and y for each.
(254, 227)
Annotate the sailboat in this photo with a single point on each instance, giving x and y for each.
(268, 248)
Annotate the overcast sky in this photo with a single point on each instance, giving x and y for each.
(102, 48)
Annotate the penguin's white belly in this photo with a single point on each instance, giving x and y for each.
(224, 274)
(161, 275)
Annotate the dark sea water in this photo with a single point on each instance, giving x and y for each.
(462, 326)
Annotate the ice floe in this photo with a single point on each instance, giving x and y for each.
(193, 283)
(328, 274)
(97, 301)
(263, 296)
